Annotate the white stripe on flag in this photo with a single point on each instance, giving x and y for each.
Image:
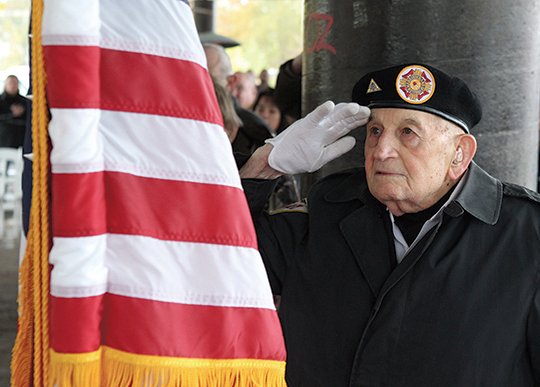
(75, 138)
(132, 23)
(126, 26)
(142, 267)
(80, 262)
(140, 144)
(79, 17)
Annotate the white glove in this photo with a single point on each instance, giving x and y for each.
(316, 139)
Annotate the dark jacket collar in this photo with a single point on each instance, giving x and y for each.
(481, 195)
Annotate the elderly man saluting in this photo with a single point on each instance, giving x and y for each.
(419, 270)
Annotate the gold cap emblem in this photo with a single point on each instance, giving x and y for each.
(415, 84)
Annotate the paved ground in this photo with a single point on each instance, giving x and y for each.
(9, 252)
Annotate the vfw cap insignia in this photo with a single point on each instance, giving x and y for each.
(415, 84)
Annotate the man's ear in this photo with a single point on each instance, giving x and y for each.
(464, 153)
(231, 82)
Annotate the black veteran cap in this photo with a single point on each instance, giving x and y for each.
(420, 87)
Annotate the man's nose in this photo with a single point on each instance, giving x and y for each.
(385, 147)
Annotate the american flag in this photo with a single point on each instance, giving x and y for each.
(156, 277)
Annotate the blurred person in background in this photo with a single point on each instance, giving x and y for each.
(231, 121)
(218, 62)
(267, 108)
(263, 81)
(254, 130)
(13, 107)
(242, 87)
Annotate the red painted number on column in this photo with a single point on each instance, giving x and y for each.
(322, 22)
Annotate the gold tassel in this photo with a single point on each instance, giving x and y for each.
(30, 360)
(21, 361)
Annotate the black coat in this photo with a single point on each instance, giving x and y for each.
(12, 129)
(288, 91)
(461, 309)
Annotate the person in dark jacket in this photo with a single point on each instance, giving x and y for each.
(420, 269)
(12, 114)
(288, 90)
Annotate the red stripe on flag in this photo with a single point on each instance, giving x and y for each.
(94, 77)
(168, 329)
(75, 324)
(119, 203)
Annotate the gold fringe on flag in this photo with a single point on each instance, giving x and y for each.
(30, 360)
(127, 369)
(81, 369)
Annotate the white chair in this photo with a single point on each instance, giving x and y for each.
(11, 165)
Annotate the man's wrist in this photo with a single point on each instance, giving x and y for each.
(257, 166)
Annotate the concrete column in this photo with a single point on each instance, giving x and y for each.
(493, 45)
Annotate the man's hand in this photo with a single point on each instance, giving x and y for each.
(17, 110)
(313, 141)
